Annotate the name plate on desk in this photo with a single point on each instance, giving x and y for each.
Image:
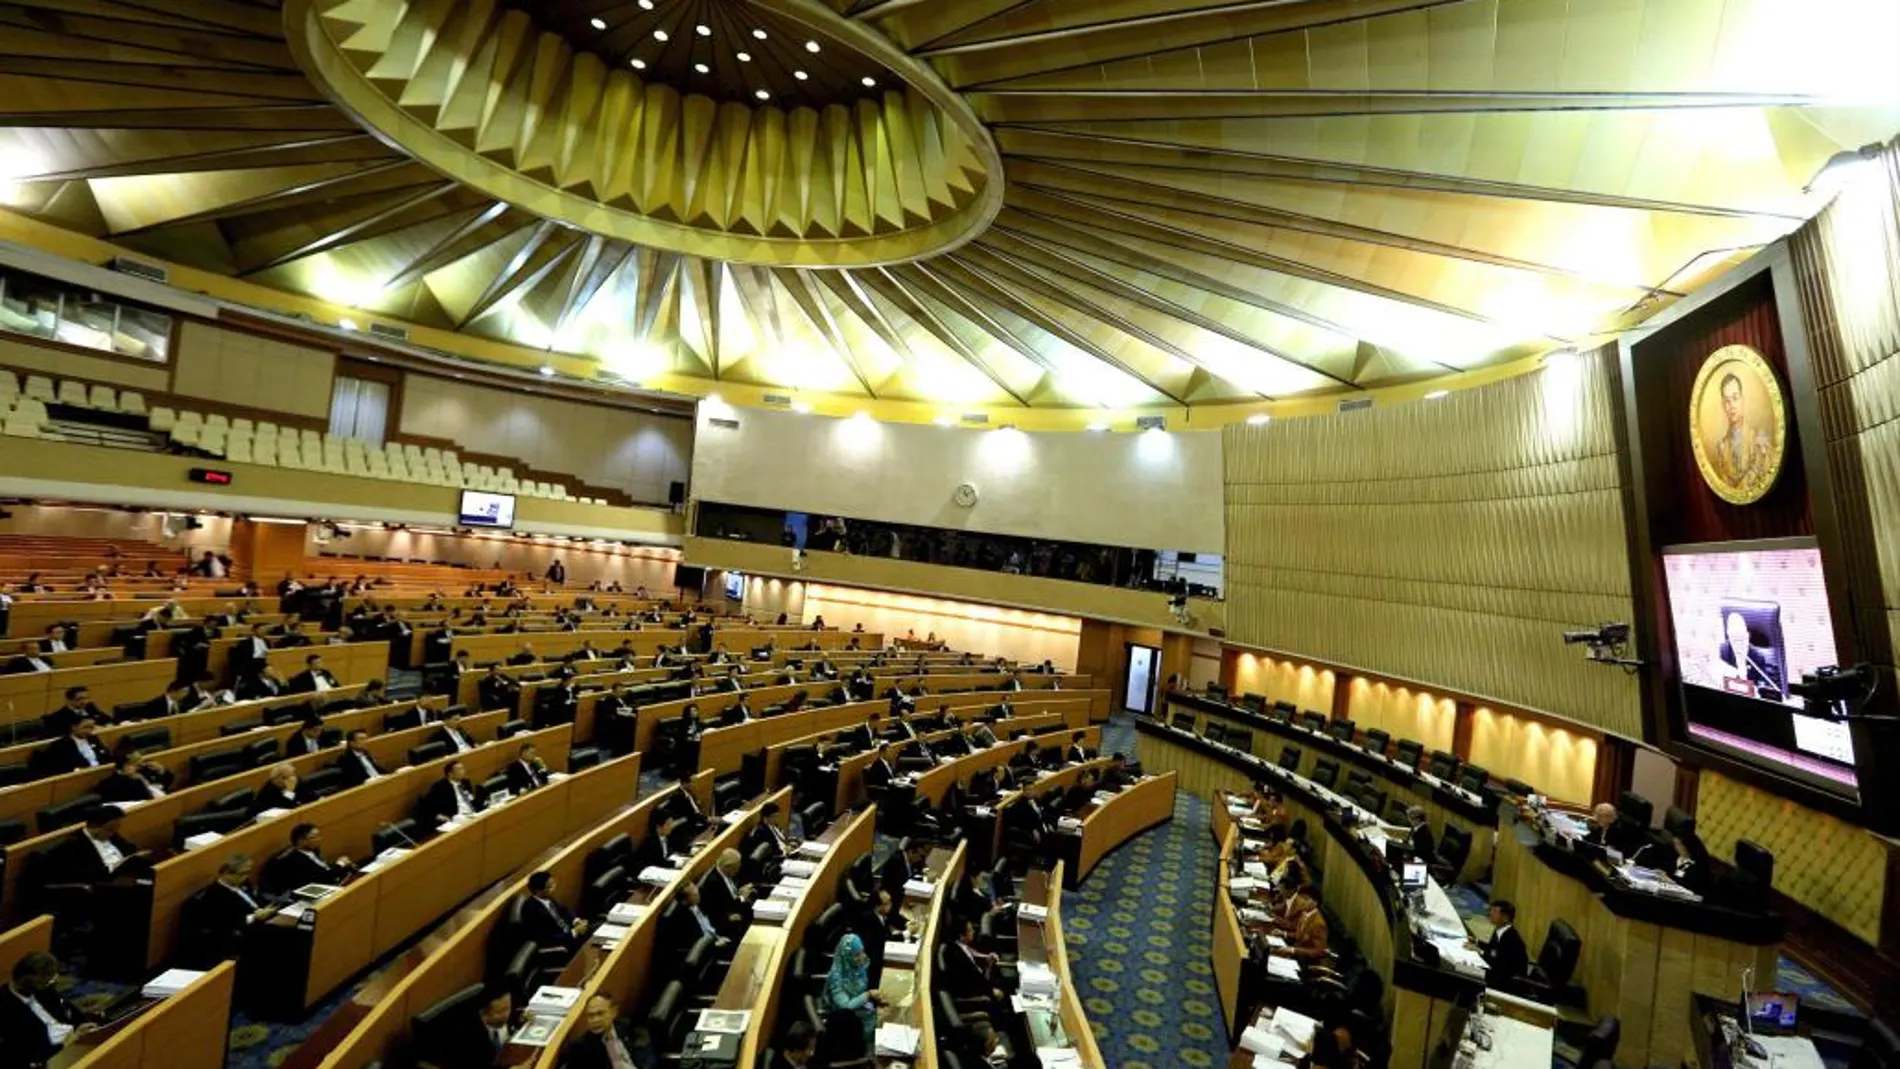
(813, 850)
(796, 867)
(919, 889)
(655, 876)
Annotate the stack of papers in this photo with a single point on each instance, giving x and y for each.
(1036, 979)
(538, 1032)
(1281, 968)
(919, 889)
(897, 1041)
(1262, 1041)
(555, 1000)
(796, 867)
(787, 892)
(771, 909)
(609, 935)
(1241, 887)
(1068, 824)
(899, 953)
(813, 850)
(1296, 1027)
(626, 913)
(657, 876)
(735, 817)
(1059, 1057)
(202, 839)
(268, 814)
(730, 1022)
(169, 983)
(1255, 869)
(1029, 911)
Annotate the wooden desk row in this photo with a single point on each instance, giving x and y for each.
(191, 1028)
(485, 648)
(30, 695)
(26, 799)
(149, 825)
(374, 913)
(626, 976)
(460, 957)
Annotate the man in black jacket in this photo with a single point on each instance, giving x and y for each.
(451, 796)
(35, 1019)
(357, 764)
(170, 703)
(74, 750)
(526, 655)
(453, 733)
(248, 657)
(263, 683)
(308, 739)
(293, 636)
(302, 863)
(726, 901)
(605, 1041)
(527, 771)
(497, 691)
(314, 679)
(78, 706)
(98, 853)
(545, 921)
(133, 780)
(1504, 952)
(224, 912)
(473, 1037)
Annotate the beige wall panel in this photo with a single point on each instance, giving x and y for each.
(1031, 637)
(215, 534)
(612, 447)
(1448, 541)
(236, 368)
(1146, 491)
(1285, 681)
(1562, 764)
(631, 566)
(1404, 713)
(26, 357)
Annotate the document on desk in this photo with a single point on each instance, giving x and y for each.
(1059, 1057)
(656, 876)
(1281, 968)
(812, 849)
(610, 935)
(897, 1040)
(1297, 1027)
(1032, 912)
(796, 867)
(1260, 1040)
(1791, 1052)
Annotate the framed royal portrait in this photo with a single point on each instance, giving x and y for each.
(1738, 424)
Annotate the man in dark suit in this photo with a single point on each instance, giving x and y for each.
(98, 853)
(497, 691)
(545, 921)
(605, 1041)
(225, 911)
(249, 655)
(685, 806)
(35, 1019)
(74, 750)
(171, 703)
(78, 706)
(302, 863)
(293, 636)
(1504, 952)
(905, 864)
(308, 739)
(263, 683)
(32, 661)
(1424, 843)
(726, 901)
(1075, 754)
(453, 733)
(451, 796)
(473, 1037)
(969, 973)
(280, 791)
(527, 771)
(880, 772)
(669, 836)
(134, 781)
(767, 831)
(314, 679)
(357, 764)
(525, 655)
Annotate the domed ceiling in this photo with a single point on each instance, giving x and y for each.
(1053, 203)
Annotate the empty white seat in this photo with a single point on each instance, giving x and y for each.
(266, 429)
(189, 418)
(40, 387)
(132, 403)
(432, 454)
(73, 393)
(287, 436)
(354, 447)
(239, 450)
(19, 426)
(355, 464)
(264, 451)
(103, 398)
(242, 426)
(289, 458)
(217, 419)
(311, 438)
(161, 419)
(9, 385)
(188, 434)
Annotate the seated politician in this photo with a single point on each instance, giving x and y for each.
(134, 780)
(545, 921)
(302, 863)
(36, 1021)
(451, 797)
(1745, 665)
(98, 853)
(607, 1042)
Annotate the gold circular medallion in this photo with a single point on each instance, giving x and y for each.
(1738, 424)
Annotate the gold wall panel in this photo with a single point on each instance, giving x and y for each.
(1826, 864)
(1448, 542)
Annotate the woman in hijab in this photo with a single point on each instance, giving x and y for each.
(848, 986)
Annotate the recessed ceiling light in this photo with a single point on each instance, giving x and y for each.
(659, 35)
(760, 34)
(701, 68)
(800, 75)
(703, 30)
(638, 64)
(1436, 394)
(598, 24)
(1258, 418)
(546, 371)
(646, 5)
(811, 46)
(745, 57)
(869, 82)
(763, 94)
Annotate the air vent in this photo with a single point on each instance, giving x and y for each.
(139, 269)
(975, 417)
(389, 331)
(1151, 423)
(728, 424)
(783, 400)
(1355, 405)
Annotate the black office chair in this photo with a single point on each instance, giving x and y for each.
(1312, 720)
(240, 727)
(1549, 979)
(402, 721)
(12, 831)
(665, 1019)
(815, 818)
(427, 752)
(582, 758)
(511, 728)
(322, 783)
(1238, 739)
(494, 783)
(1344, 730)
(605, 890)
(761, 866)
(159, 738)
(1325, 773)
(239, 799)
(1377, 739)
(728, 794)
(615, 851)
(262, 752)
(699, 969)
(1454, 848)
(429, 1030)
(1290, 758)
(1474, 779)
(1214, 733)
(1636, 807)
(67, 813)
(1678, 822)
(403, 832)
(1409, 753)
(222, 821)
(125, 711)
(1600, 1044)
(1880, 1050)
(1443, 765)
(205, 767)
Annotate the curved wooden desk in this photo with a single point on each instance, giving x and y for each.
(190, 1028)
(1121, 818)
(1043, 943)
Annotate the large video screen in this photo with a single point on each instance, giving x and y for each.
(481, 509)
(1749, 621)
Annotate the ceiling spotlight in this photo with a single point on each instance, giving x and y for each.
(1258, 418)
(639, 64)
(745, 57)
(701, 68)
(760, 34)
(659, 35)
(703, 30)
(811, 46)
(347, 324)
(646, 5)
(800, 75)
(1436, 394)
(547, 372)
(598, 24)
(763, 94)
(869, 82)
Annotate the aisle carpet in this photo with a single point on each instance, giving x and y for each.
(1138, 941)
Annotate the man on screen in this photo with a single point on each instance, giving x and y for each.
(1746, 665)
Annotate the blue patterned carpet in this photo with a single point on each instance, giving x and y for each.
(1138, 944)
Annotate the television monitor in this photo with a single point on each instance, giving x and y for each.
(735, 586)
(1774, 1010)
(483, 509)
(1414, 876)
(1749, 619)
